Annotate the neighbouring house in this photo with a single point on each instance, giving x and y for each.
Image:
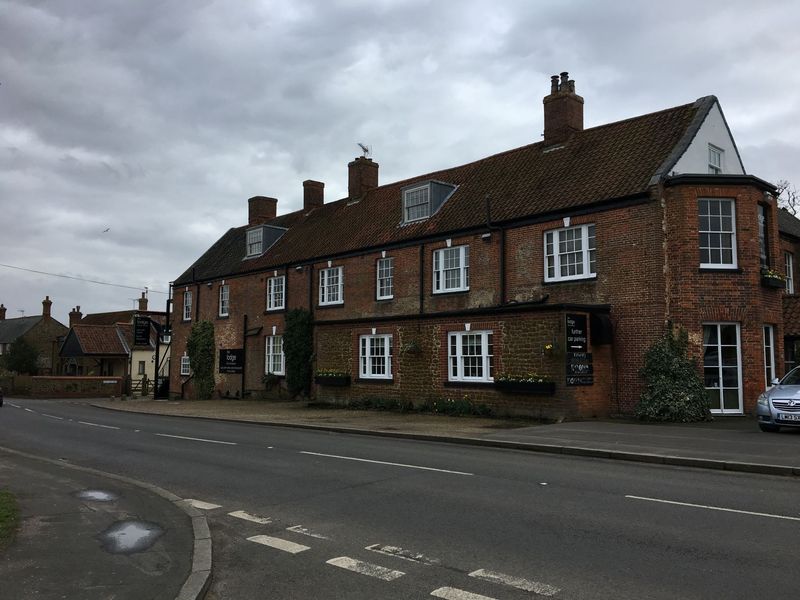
(42, 332)
(566, 258)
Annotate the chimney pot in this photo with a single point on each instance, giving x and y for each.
(46, 304)
(563, 110)
(362, 177)
(75, 316)
(261, 209)
(2, 313)
(313, 194)
(143, 303)
(554, 84)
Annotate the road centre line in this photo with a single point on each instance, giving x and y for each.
(303, 531)
(52, 417)
(14, 405)
(541, 589)
(732, 510)
(240, 514)
(97, 425)
(449, 593)
(194, 439)
(365, 568)
(404, 554)
(29, 410)
(278, 544)
(381, 462)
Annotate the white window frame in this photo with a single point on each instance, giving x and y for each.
(224, 300)
(255, 241)
(788, 262)
(441, 270)
(270, 355)
(409, 197)
(716, 160)
(456, 367)
(186, 367)
(384, 279)
(187, 305)
(375, 355)
(769, 354)
(276, 292)
(331, 293)
(721, 231)
(553, 257)
(720, 365)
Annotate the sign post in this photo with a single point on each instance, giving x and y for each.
(231, 360)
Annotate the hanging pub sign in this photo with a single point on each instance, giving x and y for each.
(231, 360)
(579, 367)
(141, 331)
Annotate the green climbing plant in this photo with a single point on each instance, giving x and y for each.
(298, 340)
(200, 347)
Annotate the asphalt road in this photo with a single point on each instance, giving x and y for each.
(368, 517)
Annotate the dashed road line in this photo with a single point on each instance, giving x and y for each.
(29, 410)
(199, 504)
(14, 405)
(449, 593)
(278, 544)
(518, 582)
(365, 568)
(97, 425)
(194, 439)
(731, 510)
(240, 514)
(404, 554)
(302, 530)
(381, 462)
(52, 417)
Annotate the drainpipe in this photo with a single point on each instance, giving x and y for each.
(244, 353)
(502, 248)
(422, 279)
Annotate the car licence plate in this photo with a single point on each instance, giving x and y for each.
(787, 417)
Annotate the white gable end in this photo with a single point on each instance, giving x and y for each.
(715, 132)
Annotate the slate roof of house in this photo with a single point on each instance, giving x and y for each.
(11, 329)
(121, 316)
(106, 340)
(788, 223)
(604, 163)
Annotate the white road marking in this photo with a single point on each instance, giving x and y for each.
(518, 582)
(381, 462)
(365, 568)
(137, 430)
(449, 593)
(14, 405)
(404, 554)
(278, 544)
(194, 439)
(29, 410)
(732, 510)
(97, 425)
(52, 416)
(304, 531)
(199, 504)
(240, 514)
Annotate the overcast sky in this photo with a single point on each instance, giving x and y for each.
(158, 120)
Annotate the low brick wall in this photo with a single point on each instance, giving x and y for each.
(76, 387)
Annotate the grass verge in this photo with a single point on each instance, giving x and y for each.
(9, 517)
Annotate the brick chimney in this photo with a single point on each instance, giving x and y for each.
(2, 313)
(143, 302)
(313, 194)
(261, 209)
(46, 304)
(363, 176)
(75, 316)
(563, 110)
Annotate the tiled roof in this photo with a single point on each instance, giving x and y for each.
(791, 316)
(603, 163)
(11, 329)
(109, 340)
(121, 316)
(788, 223)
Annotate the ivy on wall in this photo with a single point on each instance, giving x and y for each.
(298, 340)
(200, 348)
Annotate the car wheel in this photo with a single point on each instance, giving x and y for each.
(768, 428)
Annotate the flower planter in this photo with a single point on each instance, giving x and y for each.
(333, 380)
(772, 282)
(545, 388)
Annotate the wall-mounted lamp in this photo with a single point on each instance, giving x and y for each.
(486, 237)
(298, 268)
(209, 284)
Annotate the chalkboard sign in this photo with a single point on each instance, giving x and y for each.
(579, 367)
(231, 360)
(141, 331)
(577, 334)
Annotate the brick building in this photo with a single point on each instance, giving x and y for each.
(42, 332)
(568, 257)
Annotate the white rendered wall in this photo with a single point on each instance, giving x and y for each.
(712, 131)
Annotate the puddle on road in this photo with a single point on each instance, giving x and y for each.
(97, 495)
(128, 537)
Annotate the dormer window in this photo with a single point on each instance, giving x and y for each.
(417, 203)
(715, 156)
(255, 239)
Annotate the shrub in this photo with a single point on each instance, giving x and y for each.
(674, 389)
(297, 348)
(22, 358)
(200, 347)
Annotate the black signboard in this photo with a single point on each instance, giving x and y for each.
(141, 331)
(579, 367)
(577, 334)
(231, 360)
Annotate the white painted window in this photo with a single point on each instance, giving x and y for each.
(141, 367)
(185, 366)
(788, 260)
(451, 270)
(376, 356)
(722, 367)
(254, 241)
(331, 286)
(769, 354)
(275, 292)
(224, 297)
(275, 362)
(187, 305)
(717, 233)
(416, 203)
(385, 278)
(471, 356)
(762, 236)
(569, 253)
(715, 159)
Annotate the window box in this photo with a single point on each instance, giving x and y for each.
(772, 282)
(542, 388)
(332, 380)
